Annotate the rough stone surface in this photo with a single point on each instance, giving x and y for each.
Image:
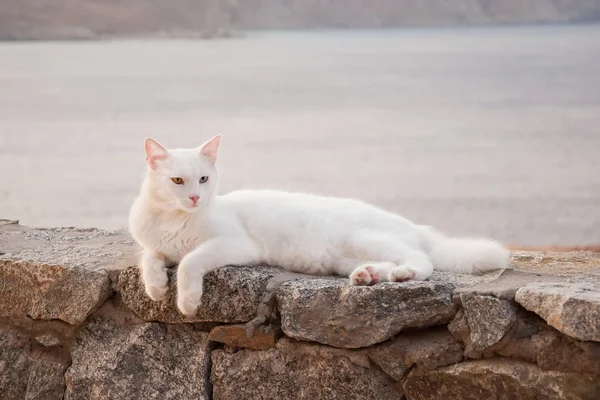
(572, 263)
(144, 361)
(231, 295)
(46, 379)
(489, 319)
(459, 328)
(42, 271)
(458, 280)
(535, 342)
(261, 338)
(499, 379)
(26, 372)
(573, 309)
(299, 371)
(332, 312)
(430, 349)
(66, 334)
(14, 363)
(505, 286)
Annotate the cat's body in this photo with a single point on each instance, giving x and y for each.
(299, 232)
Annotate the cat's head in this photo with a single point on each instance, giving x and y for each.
(182, 179)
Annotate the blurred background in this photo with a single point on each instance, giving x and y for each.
(478, 117)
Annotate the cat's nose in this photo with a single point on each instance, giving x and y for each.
(194, 198)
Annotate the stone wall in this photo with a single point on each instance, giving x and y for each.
(75, 324)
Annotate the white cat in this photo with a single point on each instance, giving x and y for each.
(178, 218)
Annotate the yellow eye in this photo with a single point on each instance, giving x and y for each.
(177, 181)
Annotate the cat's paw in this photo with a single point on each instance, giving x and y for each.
(157, 293)
(188, 303)
(364, 275)
(401, 273)
(156, 284)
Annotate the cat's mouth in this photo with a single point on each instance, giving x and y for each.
(192, 207)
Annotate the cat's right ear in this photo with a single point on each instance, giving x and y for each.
(154, 152)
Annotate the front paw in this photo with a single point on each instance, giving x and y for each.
(156, 285)
(188, 303)
(157, 293)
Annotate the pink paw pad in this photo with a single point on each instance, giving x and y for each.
(373, 274)
(361, 278)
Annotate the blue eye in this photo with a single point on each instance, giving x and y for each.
(203, 179)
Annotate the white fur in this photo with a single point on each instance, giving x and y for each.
(299, 232)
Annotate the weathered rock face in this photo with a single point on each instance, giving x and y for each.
(329, 311)
(75, 323)
(430, 349)
(261, 338)
(231, 294)
(57, 273)
(46, 379)
(14, 363)
(573, 309)
(535, 342)
(297, 370)
(27, 372)
(499, 379)
(489, 319)
(143, 361)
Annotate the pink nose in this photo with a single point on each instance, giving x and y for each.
(194, 198)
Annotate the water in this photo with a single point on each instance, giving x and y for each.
(475, 131)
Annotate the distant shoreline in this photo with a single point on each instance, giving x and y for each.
(85, 35)
(95, 37)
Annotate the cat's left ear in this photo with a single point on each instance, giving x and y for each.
(154, 152)
(210, 148)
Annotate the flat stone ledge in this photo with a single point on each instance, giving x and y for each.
(332, 312)
(231, 295)
(572, 308)
(58, 273)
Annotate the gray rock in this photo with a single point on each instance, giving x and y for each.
(57, 273)
(296, 370)
(489, 319)
(460, 280)
(567, 263)
(47, 339)
(332, 312)
(261, 338)
(573, 309)
(26, 373)
(46, 379)
(144, 361)
(14, 363)
(505, 286)
(535, 342)
(231, 294)
(459, 328)
(429, 349)
(499, 379)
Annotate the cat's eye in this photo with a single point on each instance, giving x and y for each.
(177, 181)
(203, 179)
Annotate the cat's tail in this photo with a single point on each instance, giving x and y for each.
(471, 256)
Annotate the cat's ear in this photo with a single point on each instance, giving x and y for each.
(210, 148)
(154, 152)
